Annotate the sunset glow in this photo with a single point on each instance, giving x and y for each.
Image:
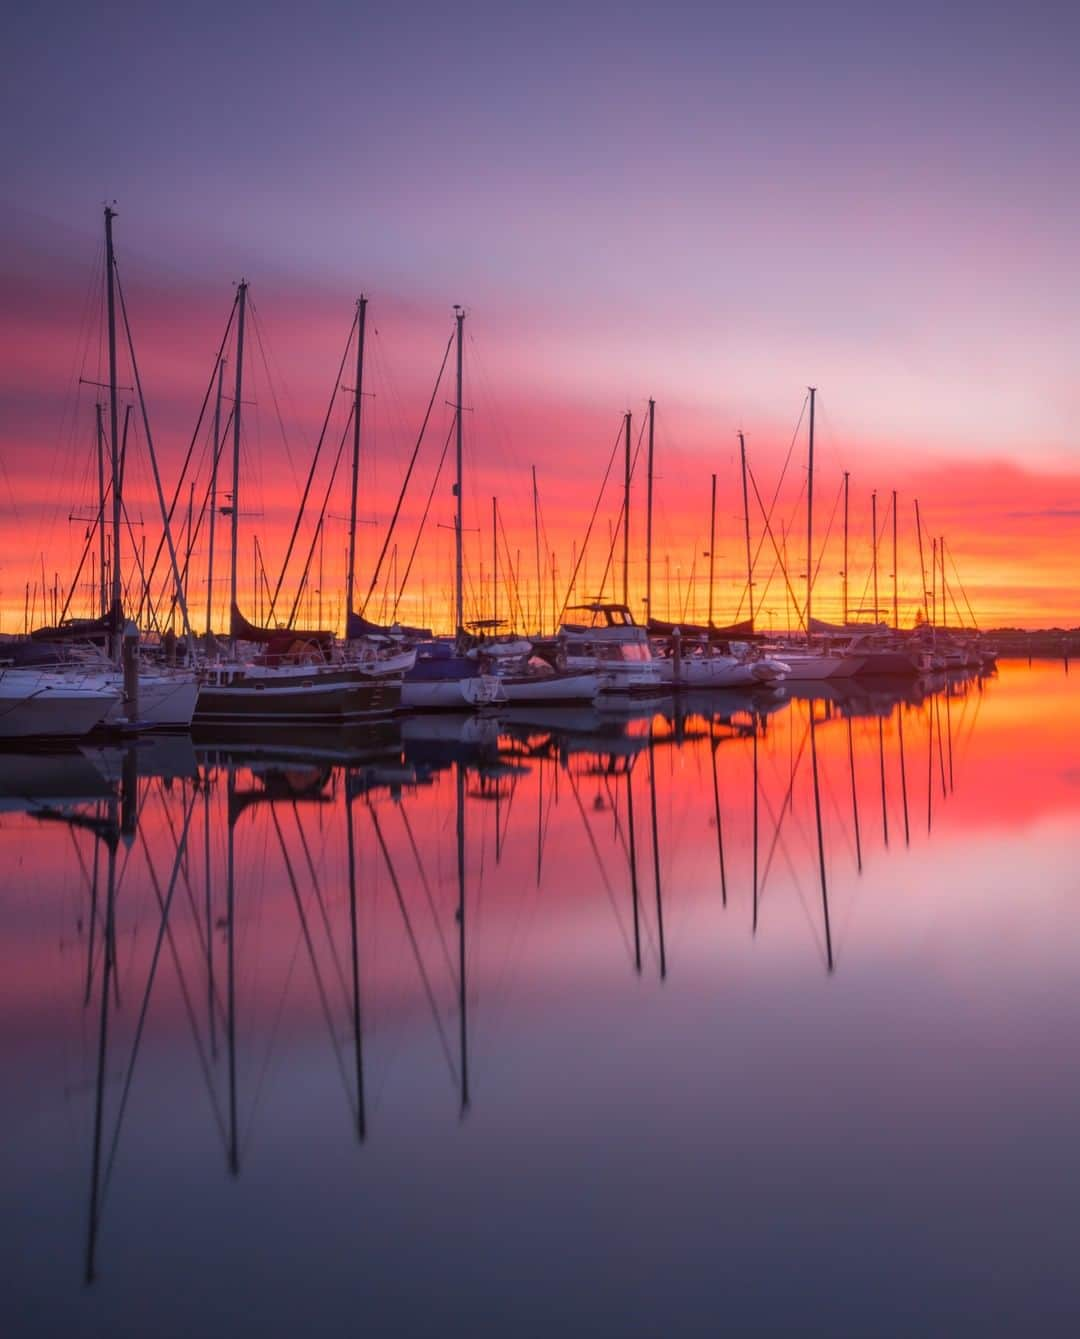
(620, 221)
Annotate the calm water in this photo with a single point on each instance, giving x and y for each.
(583, 1031)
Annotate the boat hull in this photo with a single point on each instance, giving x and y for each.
(550, 688)
(293, 700)
(481, 690)
(166, 702)
(51, 711)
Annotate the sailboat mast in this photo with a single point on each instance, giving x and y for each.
(873, 532)
(847, 476)
(495, 561)
(649, 514)
(459, 592)
(712, 546)
(895, 570)
(922, 560)
(746, 529)
(214, 459)
(350, 575)
(810, 515)
(114, 437)
(944, 606)
(462, 992)
(536, 544)
(626, 515)
(104, 587)
(237, 401)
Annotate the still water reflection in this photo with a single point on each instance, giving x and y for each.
(754, 1013)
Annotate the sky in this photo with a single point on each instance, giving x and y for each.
(712, 207)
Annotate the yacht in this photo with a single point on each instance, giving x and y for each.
(609, 643)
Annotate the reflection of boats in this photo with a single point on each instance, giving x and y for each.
(573, 731)
(358, 742)
(30, 781)
(432, 743)
(876, 696)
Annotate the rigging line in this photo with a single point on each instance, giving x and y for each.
(775, 496)
(785, 808)
(512, 587)
(145, 1006)
(196, 434)
(167, 535)
(420, 528)
(963, 592)
(321, 904)
(426, 885)
(188, 1007)
(877, 545)
(405, 482)
(257, 325)
(828, 530)
(599, 863)
(154, 621)
(412, 938)
(304, 575)
(314, 465)
(619, 520)
(319, 985)
(205, 505)
(592, 519)
(768, 529)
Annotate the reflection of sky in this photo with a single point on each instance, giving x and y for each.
(709, 206)
(876, 1148)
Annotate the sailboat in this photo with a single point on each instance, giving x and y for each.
(807, 663)
(443, 677)
(150, 698)
(280, 676)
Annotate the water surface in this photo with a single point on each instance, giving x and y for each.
(754, 1015)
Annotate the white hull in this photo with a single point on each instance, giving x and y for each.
(34, 707)
(451, 694)
(166, 702)
(803, 667)
(551, 688)
(719, 672)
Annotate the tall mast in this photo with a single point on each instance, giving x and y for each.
(712, 545)
(626, 517)
(237, 400)
(215, 457)
(463, 1019)
(895, 570)
(459, 593)
(746, 529)
(847, 476)
(933, 583)
(922, 560)
(536, 543)
(350, 575)
(941, 558)
(648, 515)
(495, 560)
(114, 438)
(873, 530)
(104, 587)
(810, 515)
